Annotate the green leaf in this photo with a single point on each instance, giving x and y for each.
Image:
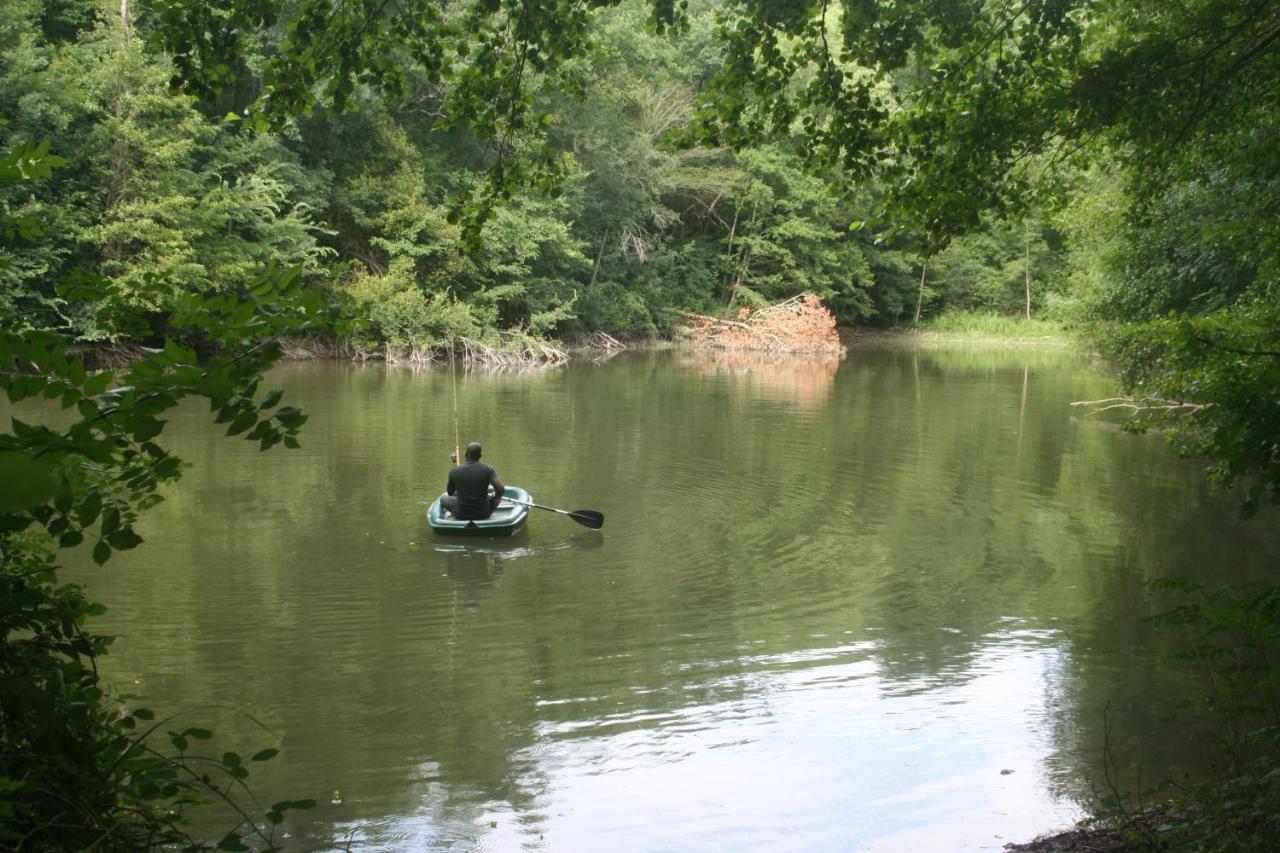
(147, 428)
(89, 508)
(101, 552)
(27, 482)
(63, 498)
(14, 523)
(245, 420)
(124, 539)
(231, 842)
(272, 399)
(178, 354)
(290, 417)
(110, 521)
(98, 383)
(198, 734)
(231, 759)
(265, 755)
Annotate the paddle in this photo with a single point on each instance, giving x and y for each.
(585, 517)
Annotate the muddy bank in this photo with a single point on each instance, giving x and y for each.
(1080, 840)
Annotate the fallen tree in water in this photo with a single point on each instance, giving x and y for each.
(518, 351)
(514, 350)
(800, 324)
(602, 340)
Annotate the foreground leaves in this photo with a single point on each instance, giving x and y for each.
(76, 773)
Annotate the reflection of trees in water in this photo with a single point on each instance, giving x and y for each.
(929, 495)
(477, 683)
(473, 577)
(1126, 708)
(806, 379)
(996, 501)
(926, 495)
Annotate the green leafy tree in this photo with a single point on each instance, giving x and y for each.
(75, 773)
(964, 110)
(483, 60)
(993, 268)
(153, 191)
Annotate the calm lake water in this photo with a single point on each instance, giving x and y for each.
(885, 603)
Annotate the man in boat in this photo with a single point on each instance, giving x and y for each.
(467, 494)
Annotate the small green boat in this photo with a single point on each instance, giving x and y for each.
(506, 519)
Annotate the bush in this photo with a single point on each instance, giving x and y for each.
(391, 309)
(609, 307)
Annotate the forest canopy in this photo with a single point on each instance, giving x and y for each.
(189, 189)
(508, 172)
(931, 121)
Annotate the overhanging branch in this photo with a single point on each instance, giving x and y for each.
(1137, 407)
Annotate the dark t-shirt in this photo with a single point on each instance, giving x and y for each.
(470, 482)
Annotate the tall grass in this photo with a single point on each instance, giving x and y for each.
(975, 324)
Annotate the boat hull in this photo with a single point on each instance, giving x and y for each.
(506, 519)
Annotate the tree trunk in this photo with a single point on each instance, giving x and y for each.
(924, 266)
(1026, 233)
(599, 257)
(728, 254)
(1022, 409)
(125, 25)
(745, 263)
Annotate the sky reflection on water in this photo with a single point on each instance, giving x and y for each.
(823, 614)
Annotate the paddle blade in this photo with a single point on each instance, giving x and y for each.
(588, 518)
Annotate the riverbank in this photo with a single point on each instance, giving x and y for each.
(1078, 840)
(974, 329)
(1210, 821)
(982, 330)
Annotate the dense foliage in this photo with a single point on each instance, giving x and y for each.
(964, 109)
(592, 218)
(505, 172)
(78, 770)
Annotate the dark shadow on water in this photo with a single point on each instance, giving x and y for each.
(513, 547)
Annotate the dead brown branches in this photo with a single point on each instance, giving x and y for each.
(799, 324)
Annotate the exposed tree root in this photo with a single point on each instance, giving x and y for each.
(413, 354)
(110, 355)
(310, 349)
(604, 341)
(517, 352)
(524, 353)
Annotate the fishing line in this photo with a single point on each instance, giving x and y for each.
(453, 373)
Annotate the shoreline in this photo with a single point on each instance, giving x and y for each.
(119, 354)
(853, 336)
